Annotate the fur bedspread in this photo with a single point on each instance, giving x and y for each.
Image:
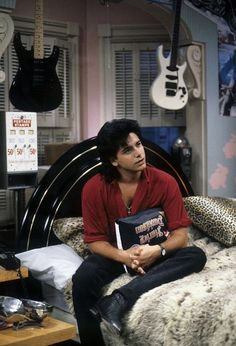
(198, 310)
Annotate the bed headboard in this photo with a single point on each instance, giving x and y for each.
(58, 194)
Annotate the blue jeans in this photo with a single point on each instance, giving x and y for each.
(97, 271)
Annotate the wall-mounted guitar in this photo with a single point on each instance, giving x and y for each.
(36, 86)
(168, 89)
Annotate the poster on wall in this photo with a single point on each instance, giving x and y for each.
(21, 142)
(227, 66)
(223, 13)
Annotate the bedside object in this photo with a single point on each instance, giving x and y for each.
(10, 275)
(12, 282)
(54, 331)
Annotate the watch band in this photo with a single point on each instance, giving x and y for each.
(163, 250)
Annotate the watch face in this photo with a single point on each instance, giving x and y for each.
(163, 251)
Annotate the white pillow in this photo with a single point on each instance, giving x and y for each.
(53, 265)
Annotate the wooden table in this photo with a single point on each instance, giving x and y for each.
(54, 331)
(10, 275)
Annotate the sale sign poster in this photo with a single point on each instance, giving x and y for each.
(21, 142)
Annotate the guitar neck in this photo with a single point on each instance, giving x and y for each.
(175, 35)
(38, 32)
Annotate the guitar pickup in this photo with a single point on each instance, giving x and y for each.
(170, 93)
(170, 85)
(172, 68)
(171, 77)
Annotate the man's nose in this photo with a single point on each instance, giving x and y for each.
(137, 152)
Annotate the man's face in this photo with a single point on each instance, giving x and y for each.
(130, 157)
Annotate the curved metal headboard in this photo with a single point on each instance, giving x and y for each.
(59, 192)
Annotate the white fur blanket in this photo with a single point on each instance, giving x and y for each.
(198, 310)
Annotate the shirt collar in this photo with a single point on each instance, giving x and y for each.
(144, 176)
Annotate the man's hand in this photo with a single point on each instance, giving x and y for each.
(142, 257)
(133, 254)
(146, 256)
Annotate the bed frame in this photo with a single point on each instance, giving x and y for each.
(58, 194)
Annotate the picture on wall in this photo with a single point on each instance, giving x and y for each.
(223, 13)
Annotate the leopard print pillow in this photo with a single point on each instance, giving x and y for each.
(216, 216)
(70, 231)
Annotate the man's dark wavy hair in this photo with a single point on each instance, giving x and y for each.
(111, 137)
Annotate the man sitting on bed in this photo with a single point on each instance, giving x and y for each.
(125, 186)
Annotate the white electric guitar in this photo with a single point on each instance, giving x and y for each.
(168, 89)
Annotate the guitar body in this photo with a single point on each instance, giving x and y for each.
(168, 90)
(36, 87)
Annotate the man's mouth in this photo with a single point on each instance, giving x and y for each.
(140, 162)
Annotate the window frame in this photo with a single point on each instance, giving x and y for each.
(55, 131)
(132, 35)
(56, 33)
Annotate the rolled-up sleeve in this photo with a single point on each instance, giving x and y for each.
(173, 206)
(93, 211)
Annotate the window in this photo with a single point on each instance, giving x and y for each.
(6, 201)
(134, 71)
(129, 71)
(56, 126)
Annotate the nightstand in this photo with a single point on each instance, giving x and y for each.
(53, 331)
(10, 275)
(11, 283)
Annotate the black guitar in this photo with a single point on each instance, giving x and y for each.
(36, 87)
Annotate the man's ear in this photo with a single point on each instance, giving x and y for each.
(114, 162)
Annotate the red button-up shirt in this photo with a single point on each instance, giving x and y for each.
(102, 203)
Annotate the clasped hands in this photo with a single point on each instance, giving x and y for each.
(142, 256)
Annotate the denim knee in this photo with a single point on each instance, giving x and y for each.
(84, 277)
(199, 256)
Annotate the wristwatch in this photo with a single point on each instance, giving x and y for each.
(163, 250)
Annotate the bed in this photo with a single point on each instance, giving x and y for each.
(197, 310)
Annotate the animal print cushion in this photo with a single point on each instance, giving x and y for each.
(216, 216)
(70, 231)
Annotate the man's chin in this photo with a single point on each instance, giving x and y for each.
(141, 167)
